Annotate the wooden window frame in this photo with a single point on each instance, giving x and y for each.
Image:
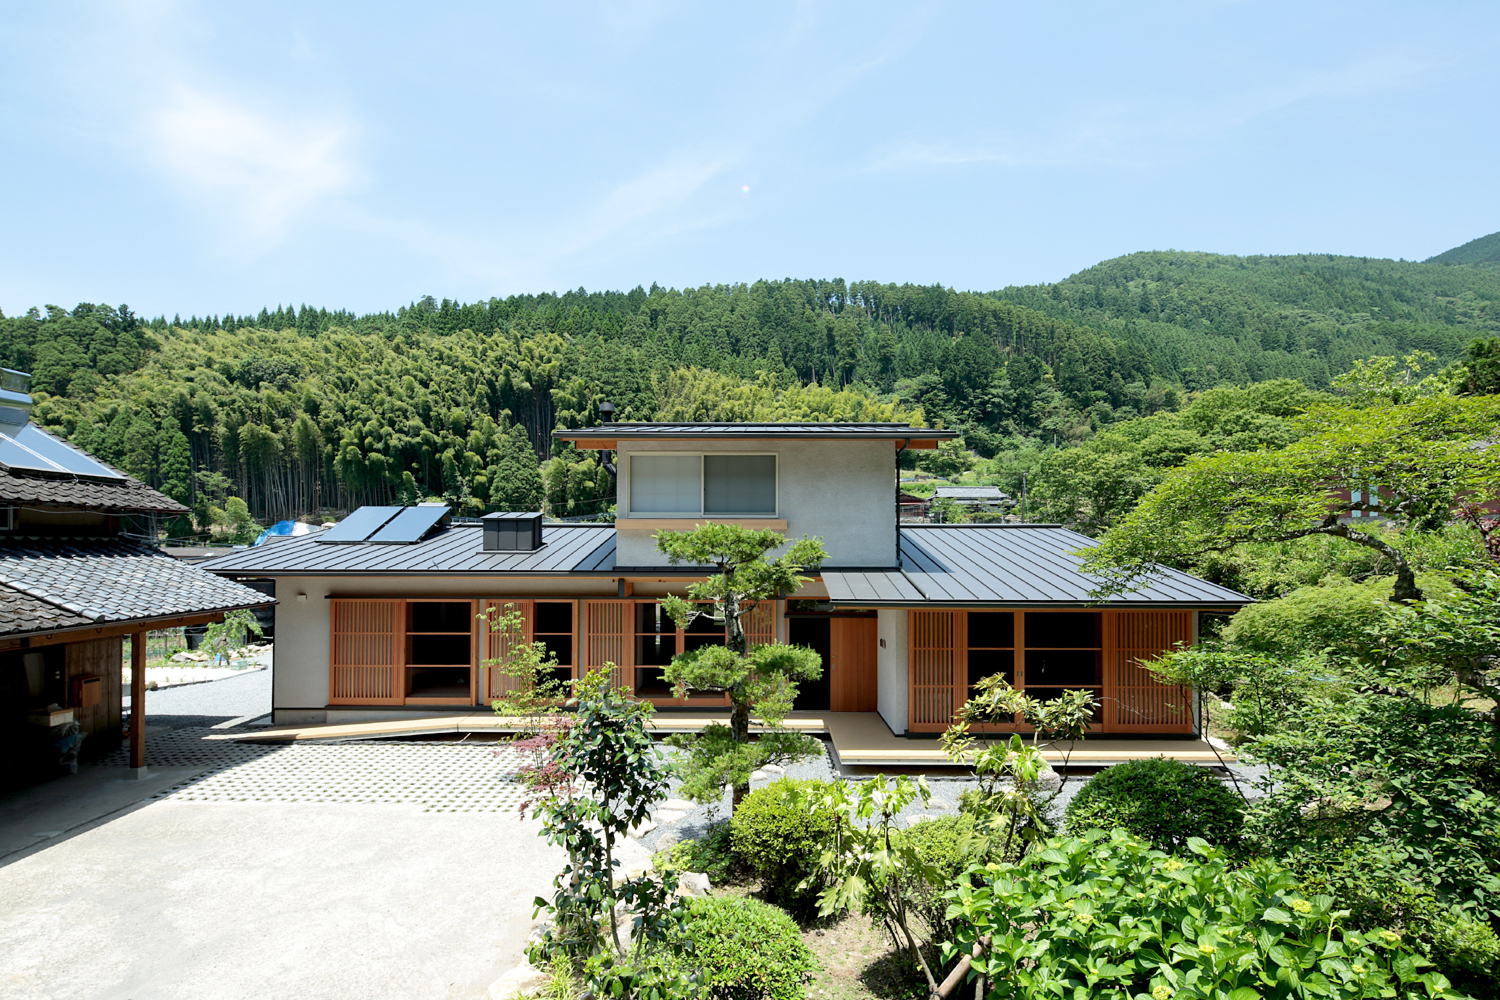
(1161, 702)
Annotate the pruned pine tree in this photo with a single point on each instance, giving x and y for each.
(760, 679)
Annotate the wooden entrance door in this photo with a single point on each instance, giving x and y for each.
(852, 664)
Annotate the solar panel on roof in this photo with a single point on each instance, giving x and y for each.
(34, 450)
(360, 525)
(411, 524)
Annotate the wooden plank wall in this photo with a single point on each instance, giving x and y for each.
(852, 655)
(102, 722)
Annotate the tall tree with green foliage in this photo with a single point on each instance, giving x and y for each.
(760, 679)
(1412, 461)
(515, 482)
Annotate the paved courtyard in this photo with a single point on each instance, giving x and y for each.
(358, 870)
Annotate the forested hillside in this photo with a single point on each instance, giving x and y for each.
(1485, 250)
(300, 410)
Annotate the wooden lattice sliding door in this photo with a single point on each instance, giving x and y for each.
(760, 623)
(933, 664)
(365, 659)
(608, 637)
(1139, 703)
(496, 646)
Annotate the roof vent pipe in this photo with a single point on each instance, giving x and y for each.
(607, 416)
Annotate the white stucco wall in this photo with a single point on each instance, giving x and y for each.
(891, 682)
(843, 492)
(299, 670)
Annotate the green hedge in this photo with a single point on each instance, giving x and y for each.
(779, 842)
(747, 950)
(1162, 801)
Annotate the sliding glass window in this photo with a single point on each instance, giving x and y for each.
(739, 484)
(703, 484)
(666, 484)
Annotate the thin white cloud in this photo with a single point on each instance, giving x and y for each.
(263, 170)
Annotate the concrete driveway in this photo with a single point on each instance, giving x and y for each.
(363, 871)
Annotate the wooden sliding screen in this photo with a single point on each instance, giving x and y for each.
(933, 660)
(609, 637)
(760, 623)
(497, 645)
(366, 662)
(1141, 703)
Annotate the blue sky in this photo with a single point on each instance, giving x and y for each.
(212, 157)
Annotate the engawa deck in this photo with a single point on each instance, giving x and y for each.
(860, 739)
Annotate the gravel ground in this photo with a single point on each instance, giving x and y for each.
(677, 819)
(245, 694)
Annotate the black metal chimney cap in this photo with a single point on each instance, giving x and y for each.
(607, 412)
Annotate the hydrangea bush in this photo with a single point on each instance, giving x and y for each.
(1107, 916)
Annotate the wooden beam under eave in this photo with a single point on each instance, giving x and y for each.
(594, 443)
(106, 631)
(916, 445)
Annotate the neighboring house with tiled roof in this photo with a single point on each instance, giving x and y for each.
(384, 611)
(79, 570)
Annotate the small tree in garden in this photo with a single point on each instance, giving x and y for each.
(759, 678)
(615, 774)
(231, 633)
(1010, 769)
(869, 864)
(531, 694)
(530, 688)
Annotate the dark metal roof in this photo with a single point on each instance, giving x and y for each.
(708, 430)
(1017, 565)
(126, 496)
(92, 581)
(567, 549)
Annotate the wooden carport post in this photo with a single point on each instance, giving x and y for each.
(138, 705)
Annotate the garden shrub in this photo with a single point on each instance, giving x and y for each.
(1162, 801)
(780, 842)
(1376, 891)
(746, 949)
(1108, 917)
(713, 854)
(950, 844)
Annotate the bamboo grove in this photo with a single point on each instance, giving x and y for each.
(299, 411)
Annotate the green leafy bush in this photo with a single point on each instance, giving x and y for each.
(713, 854)
(1376, 890)
(747, 950)
(780, 842)
(1162, 801)
(950, 845)
(1108, 917)
(1337, 614)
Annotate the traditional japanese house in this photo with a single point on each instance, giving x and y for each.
(380, 615)
(80, 569)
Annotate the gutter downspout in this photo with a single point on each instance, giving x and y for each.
(607, 416)
(899, 449)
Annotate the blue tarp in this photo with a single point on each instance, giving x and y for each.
(281, 528)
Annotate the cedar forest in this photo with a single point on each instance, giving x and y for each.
(1091, 386)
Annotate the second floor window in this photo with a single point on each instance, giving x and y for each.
(703, 484)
